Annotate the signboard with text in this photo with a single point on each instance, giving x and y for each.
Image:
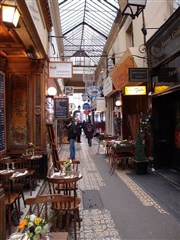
(135, 90)
(60, 69)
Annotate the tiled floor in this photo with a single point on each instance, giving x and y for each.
(98, 223)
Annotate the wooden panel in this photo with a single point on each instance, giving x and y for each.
(2, 215)
(2, 114)
(19, 109)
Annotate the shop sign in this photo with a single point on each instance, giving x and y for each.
(99, 104)
(138, 74)
(86, 106)
(72, 106)
(165, 43)
(161, 88)
(86, 112)
(60, 69)
(135, 90)
(94, 91)
(108, 87)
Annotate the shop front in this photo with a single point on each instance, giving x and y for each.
(131, 104)
(164, 63)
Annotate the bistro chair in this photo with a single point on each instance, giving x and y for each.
(74, 165)
(61, 205)
(30, 178)
(17, 183)
(11, 198)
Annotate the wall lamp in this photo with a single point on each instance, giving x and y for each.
(118, 103)
(10, 15)
(132, 7)
(52, 91)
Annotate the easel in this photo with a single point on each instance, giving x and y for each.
(53, 144)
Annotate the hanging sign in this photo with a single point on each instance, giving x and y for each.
(138, 74)
(94, 91)
(86, 106)
(60, 69)
(86, 112)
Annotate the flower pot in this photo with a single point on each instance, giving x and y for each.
(141, 167)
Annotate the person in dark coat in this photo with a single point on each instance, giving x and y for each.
(72, 135)
(79, 128)
(90, 133)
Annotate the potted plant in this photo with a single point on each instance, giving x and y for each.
(140, 161)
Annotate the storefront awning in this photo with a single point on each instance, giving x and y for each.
(132, 58)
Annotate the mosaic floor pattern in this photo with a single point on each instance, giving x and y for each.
(97, 224)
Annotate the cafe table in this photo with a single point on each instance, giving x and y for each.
(120, 154)
(33, 163)
(66, 175)
(54, 236)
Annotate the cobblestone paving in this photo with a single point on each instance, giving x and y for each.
(98, 224)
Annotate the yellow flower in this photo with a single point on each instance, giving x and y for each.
(38, 220)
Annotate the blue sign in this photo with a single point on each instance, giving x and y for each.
(86, 106)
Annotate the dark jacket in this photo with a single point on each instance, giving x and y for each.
(89, 131)
(72, 131)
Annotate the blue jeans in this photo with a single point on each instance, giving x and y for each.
(90, 141)
(72, 148)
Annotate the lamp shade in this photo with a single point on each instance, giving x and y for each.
(10, 15)
(132, 7)
(52, 91)
(118, 103)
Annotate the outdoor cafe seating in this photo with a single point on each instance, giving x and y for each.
(121, 153)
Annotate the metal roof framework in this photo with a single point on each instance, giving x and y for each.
(86, 25)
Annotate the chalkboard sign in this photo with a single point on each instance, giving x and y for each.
(2, 113)
(61, 106)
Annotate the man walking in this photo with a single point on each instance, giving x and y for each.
(72, 135)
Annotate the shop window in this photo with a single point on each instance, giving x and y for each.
(129, 37)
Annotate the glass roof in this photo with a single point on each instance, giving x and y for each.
(86, 25)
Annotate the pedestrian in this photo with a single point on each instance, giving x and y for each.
(72, 135)
(89, 133)
(79, 130)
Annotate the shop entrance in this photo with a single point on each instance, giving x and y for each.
(165, 123)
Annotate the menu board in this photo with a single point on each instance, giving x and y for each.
(2, 113)
(61, 106)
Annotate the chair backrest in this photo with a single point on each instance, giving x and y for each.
(5, 180)
(43, 205)
(74, 165)
(20, 163)
(64, 186)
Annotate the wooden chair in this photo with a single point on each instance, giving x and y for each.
(18, 184)
(66, 187)
(11, 198)
(30, 178)
(60, 204)
(74, 165)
